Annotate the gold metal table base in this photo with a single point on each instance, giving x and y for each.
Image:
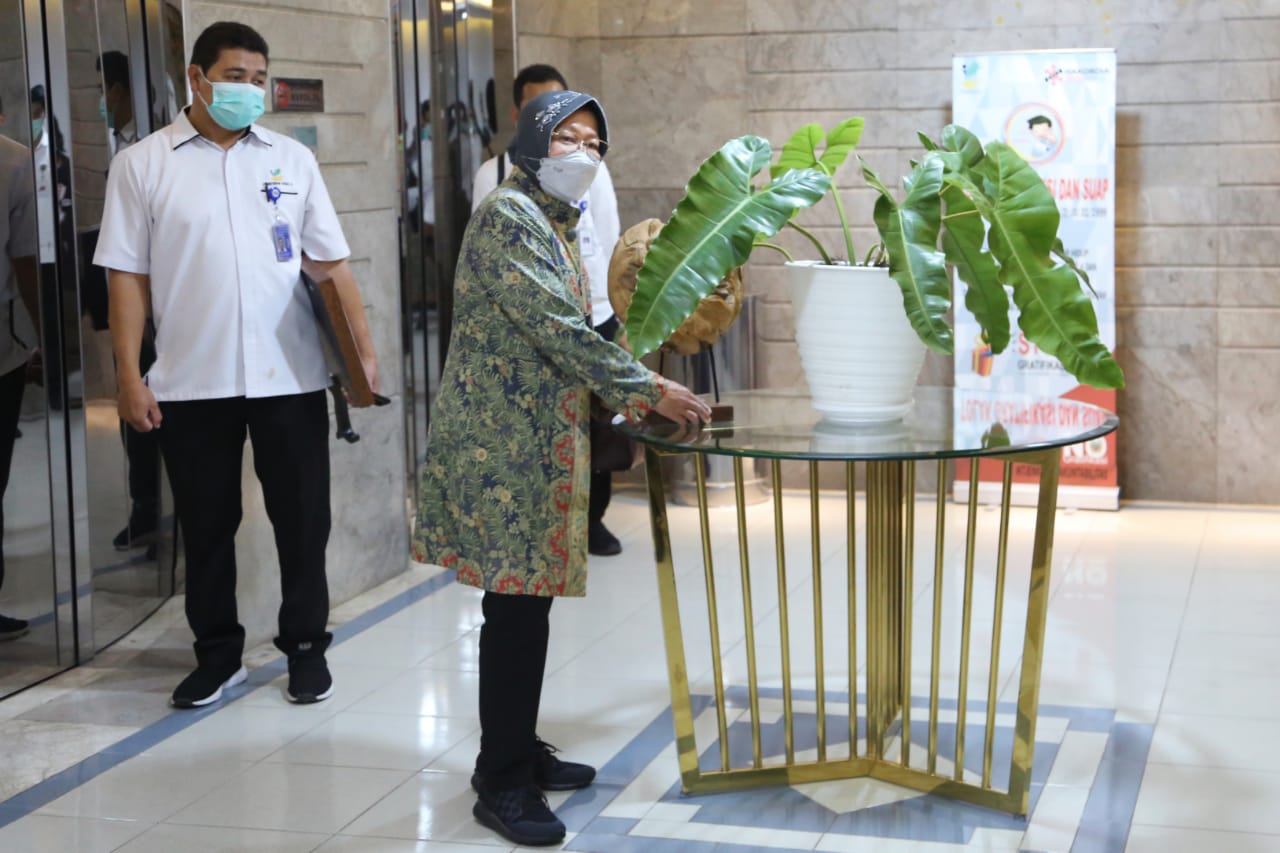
(887, 633)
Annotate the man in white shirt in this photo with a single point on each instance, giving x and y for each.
(142, 449)
(18, 341)
(115, 105)
(598, 232)
(210, 220)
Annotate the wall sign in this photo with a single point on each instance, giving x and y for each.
(297, 95)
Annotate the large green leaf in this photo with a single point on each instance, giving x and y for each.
(801, 150)
(963, 236)
(1055, 313)
(910, 232)
(963, 142)
(711, 232)
(841, 141)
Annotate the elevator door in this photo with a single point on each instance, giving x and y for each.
(452, 58)
(88, 547)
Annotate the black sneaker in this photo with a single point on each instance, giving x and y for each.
(205, 686)
(141, 530)
(552, 774)
(601, 542)
(521, 815)
(309, 680)
(12, 629)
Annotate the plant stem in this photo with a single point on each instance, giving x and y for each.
(777, 248)
(844, 223)
(826, 259)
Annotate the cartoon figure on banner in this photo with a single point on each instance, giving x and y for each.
(1035, 131)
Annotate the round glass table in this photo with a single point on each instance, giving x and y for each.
(900, 728)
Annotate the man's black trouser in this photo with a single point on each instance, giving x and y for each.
(203, 444)
(11, 387)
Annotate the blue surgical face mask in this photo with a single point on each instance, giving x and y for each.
(103, 113)
(37, 129)
(235, 105)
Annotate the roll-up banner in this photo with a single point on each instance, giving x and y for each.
(1058, 110)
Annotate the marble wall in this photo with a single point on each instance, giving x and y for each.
(1198, 233)
(347, 44)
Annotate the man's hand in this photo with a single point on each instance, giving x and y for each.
(683, 406)
(137, 407)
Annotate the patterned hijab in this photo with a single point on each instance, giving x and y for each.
(538, 120)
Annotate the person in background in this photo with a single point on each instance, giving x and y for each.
(503, 489)
(142, 449)
(115, 105)
(18, 305)
(209, 221)
(598, 232)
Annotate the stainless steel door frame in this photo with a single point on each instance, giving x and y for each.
(46, 51)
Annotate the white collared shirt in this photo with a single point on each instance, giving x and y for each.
(598, 229)
(231, 320)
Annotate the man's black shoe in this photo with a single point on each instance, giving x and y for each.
(520, 815)
(141, 530)
(601, 542)
(205, 686)
(552, 774)
(309, 680)
(12, 629)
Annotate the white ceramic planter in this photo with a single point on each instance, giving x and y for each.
(860, 355)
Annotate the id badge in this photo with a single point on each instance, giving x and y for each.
(280, 238)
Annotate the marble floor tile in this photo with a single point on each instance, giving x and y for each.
(39, 833)
(429, 806)
(1169, 839)
(148, 788)
(293, 798)
(387, 741)
(33, 751)
(1211, 798)
(167, 838)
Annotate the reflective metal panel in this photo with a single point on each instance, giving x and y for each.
(130, 548)
(37, 631)
(455, 66)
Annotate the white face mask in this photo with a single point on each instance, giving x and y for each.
(569, 176)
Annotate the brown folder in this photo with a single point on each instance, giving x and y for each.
(350, 385)
(339, 345)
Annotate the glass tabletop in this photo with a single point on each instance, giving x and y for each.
(945, 422)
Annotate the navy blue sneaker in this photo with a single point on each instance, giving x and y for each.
(520, 815)
(552, 774)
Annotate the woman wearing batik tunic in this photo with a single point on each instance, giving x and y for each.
(505, 483)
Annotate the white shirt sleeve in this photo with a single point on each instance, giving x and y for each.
(603, 203)
(321, 232)
(124, 242)
(486, 181)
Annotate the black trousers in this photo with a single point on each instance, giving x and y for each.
(513, 660)
(203, 445)
(11, 387)
(142, 449)
(601, 481)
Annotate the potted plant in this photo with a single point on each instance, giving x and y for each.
(862, 325)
